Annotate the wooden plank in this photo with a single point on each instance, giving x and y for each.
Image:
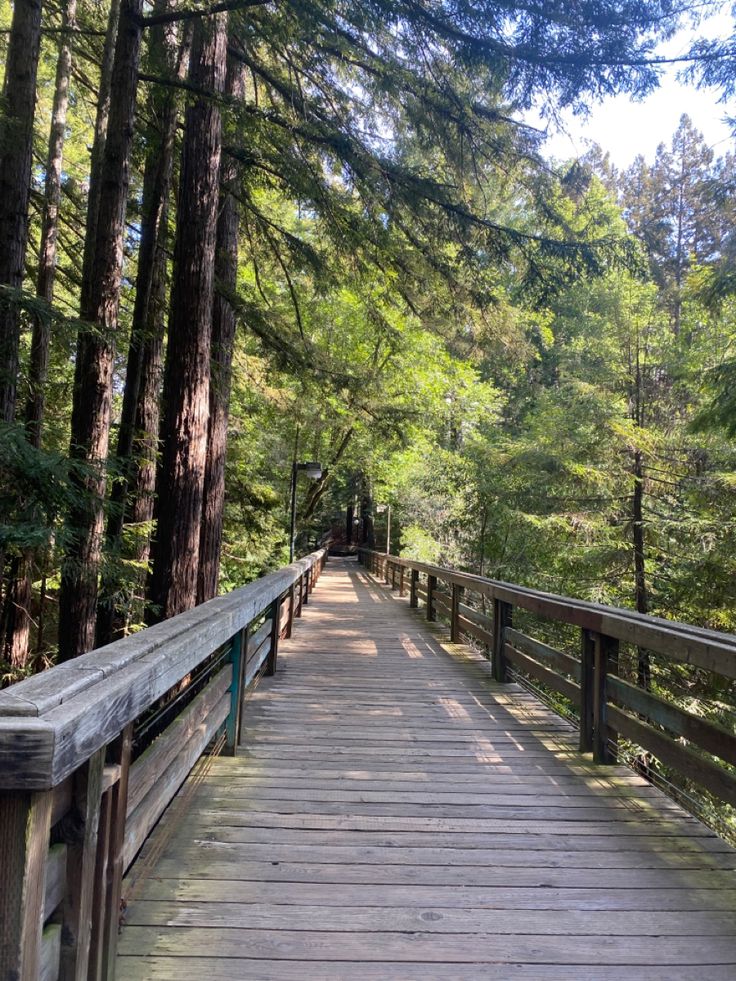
(55, 888)
(190, 968)
(540, 897)
(257, 662)
(25, 824)
(154, 762)
(323, 946)
(549, 678)
(551, 658)
(256, 639)
(471, 629)
(50, 952)
(81, 844)
(121, 751)
(26, 754)
(559, 923)
(154, 803)
(531, 852)
(694, 766)
(226, 864)
(706, 735)
(61, 800)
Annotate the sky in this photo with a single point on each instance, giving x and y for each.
(625, 128)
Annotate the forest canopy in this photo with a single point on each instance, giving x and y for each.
(233, 233)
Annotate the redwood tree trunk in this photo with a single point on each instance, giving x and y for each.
(16, 619)
(38, 366)
(97, 155)
(95, 350)
(143, 370)
(180, 475)
(223, 340)
(16, 148)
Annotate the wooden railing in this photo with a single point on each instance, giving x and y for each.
(94, 750)
(607, 706)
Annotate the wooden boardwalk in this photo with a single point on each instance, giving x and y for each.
(395, 814)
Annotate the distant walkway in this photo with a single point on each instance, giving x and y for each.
(396, 814)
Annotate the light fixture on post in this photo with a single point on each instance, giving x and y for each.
(313, 470)
(387, 508)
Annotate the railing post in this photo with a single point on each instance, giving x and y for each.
(457, 592)
(414, 583)
(431, 586)
(290, 621)
(304, 588)
(81, 863)
(502, 618)
(386, 568)
(275, 614)
(605, 662)
(25, 824)
(245, 634)
(587, 676)
(401, 581)
(119, 754)
(299, 597)
(238, 657)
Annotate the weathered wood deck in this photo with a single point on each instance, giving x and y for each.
(394, 813)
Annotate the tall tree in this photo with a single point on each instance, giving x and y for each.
(181, 472)
(131, 497)
(223, 339)
(90, 426)
(668, 207)
(38, 366)
(16, 617)
(16, 150)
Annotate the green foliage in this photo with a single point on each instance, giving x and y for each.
(35, 490)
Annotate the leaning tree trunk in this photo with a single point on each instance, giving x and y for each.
(91, 406)
(16, 148)
(223, 340)
(143, 370)
(180, 475)
(16, 619)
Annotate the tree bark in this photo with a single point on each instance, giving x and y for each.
(16, 148)
(368, 531)
(180, 475)
(38, 365)
(16, 618)
(223, 341)
(640, 583)
(90, 428)
(98, 148)
(132, 492)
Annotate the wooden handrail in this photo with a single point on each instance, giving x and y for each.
(80, 786)
(607, 706)
(708, 649)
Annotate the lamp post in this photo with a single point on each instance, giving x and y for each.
(387, 508)
(314, 472)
